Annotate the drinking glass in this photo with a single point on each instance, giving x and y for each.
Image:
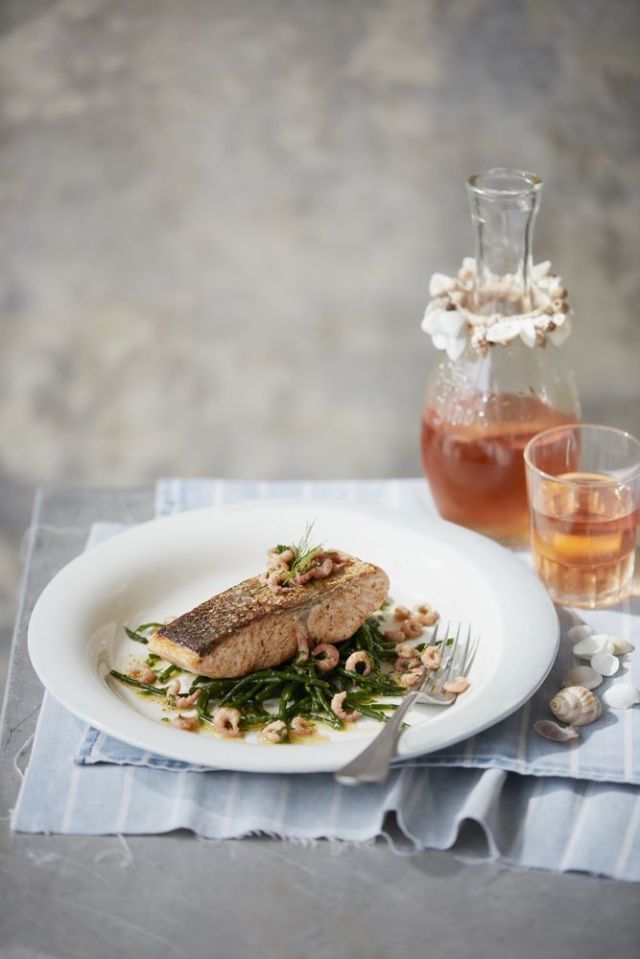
(583, 483)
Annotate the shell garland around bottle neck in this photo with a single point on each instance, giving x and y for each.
(453, 324)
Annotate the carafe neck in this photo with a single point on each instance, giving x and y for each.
(504, 204)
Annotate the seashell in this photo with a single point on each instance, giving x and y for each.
(576, 705)
(528, 334)
(427, 325)
(452, 323)
(608, 642)
(584, 676)
(555, 732)
(437, 303)
(621, 696)
(548, 318)
(621, 646)
(503, 331)
(468, 269)
(431, 319)
(590, 645)
(576, 633)
(456, 347)
(540, 270)
(441, 283)
(479, 339)
(561, 334)
(553, 286)
(605, 663)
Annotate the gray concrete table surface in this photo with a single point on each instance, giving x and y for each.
(93, 897)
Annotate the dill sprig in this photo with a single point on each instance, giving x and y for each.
(305, 555)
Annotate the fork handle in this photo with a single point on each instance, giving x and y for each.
(372, 764)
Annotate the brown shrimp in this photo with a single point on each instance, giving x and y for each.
(186, 702)
(338, 709)
(143, 674)
(406, 651)
(327, 657)
(338, 557)
(301, 726)
(401, 613)
(426, 615)
(172, 692)
(275, 732)
(284, 558)
(320, 571)
(431, 657)
(226, 721)
(412, 677)
(401, 664)
(188, 723)
(456, 686)
(394, 635)
(273, 579)
(354, 661)
(411, 629)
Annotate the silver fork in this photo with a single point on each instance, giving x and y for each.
(431, 692)
(372, 764)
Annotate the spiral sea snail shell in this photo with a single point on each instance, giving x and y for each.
(576, 705)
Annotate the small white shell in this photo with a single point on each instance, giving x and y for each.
(456, 347)
(622, 646)
(590, 645)
(576, 705)
(553, 285)
(607, 642)
(431, 319)
(540, 270)
(452, 323)
(621, 696)
(503, 331)
(576, 633)
(555, 732)
(605, 663)
(528, 334)
(583, 676)
(441, 283)
(560, 335)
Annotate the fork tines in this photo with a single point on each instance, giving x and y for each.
(454, 661)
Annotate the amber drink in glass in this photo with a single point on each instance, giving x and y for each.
(584, 494)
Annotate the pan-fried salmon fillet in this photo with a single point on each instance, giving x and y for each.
(249, 627)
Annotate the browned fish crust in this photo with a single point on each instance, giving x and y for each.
(250, 627)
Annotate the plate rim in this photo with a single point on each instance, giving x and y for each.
(174, 744)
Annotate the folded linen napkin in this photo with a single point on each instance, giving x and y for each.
(592, 824)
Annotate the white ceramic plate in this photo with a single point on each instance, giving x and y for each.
(163, 568)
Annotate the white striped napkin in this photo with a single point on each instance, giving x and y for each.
(590, 823)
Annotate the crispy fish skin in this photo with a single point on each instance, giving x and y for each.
(249, 627)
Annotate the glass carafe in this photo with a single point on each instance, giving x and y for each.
(503, 378)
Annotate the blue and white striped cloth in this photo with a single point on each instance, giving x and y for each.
(575, 808)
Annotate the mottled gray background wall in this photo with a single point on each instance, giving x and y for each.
(219, 218)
